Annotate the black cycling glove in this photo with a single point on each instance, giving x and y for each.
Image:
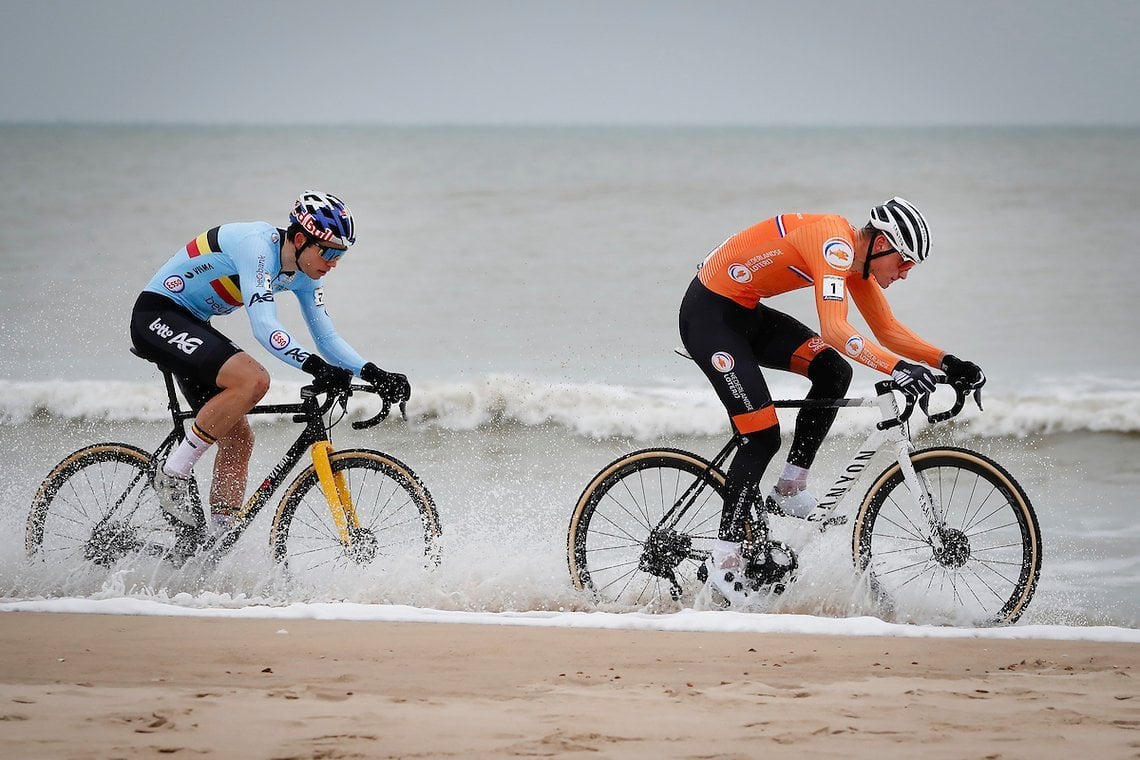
(327, 377)
(913, 379)
(963, 373)
(393, 386)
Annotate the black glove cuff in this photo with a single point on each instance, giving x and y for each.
(370, 373)
(313, 365)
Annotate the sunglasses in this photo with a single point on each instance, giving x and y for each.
(906, 264)
(330, 254)
(326, 253)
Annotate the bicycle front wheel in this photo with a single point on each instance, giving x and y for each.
(98, 505)
(619, 545)
(984, 568)
(397, 521)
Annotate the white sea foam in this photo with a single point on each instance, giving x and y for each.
(685, 620)
(601, 411)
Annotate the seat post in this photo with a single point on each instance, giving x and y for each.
(172, 396)
(172, 404)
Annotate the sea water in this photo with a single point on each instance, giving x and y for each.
(527, 282)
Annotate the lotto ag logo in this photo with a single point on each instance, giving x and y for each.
(174, 284)
(279, 340)
(723, 362)
(740, 273)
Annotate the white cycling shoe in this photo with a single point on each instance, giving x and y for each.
(799, 504)
(174, 498)
(734, 589)
(803, 506)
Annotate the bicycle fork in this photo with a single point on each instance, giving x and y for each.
(336, 493)
(895, 433)
(920, 490)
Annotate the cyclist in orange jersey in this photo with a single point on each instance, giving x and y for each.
(731, 335)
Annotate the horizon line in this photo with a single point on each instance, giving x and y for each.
(67, 122)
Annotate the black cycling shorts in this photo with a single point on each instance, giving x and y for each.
(731, 344)
(174, 339)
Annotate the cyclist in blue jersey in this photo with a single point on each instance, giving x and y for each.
(221, 270)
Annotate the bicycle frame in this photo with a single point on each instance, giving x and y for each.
(891, 432)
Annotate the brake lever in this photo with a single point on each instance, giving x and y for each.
(404, 409)
(924, 404)
(978, 397)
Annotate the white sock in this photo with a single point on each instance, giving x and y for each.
(726, 554)
(219, 521)
(183, 459)
(792, 480)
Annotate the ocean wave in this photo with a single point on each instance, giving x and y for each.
(602, 411)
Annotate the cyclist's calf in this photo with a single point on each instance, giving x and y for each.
(742, 484)
(830, 376)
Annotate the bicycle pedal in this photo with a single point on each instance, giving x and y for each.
(187, 542)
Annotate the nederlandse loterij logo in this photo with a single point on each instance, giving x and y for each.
(838, 253)
(723, 361)
(854, 345)
(740, 273)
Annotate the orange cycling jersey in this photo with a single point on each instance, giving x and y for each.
(794, 251)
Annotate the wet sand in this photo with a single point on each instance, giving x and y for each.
(103, 686)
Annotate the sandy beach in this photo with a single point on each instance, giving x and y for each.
(109, 686)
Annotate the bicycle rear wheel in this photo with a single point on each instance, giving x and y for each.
(98, 505)
(990, 562)
(618, 547)
(398, 521)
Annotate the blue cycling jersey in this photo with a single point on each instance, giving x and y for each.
(239, 264)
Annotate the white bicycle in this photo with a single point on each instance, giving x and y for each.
(944, 529)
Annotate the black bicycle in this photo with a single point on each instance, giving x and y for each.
(344, 510)
(942, 535)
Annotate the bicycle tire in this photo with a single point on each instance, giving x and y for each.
(617, 511)
(98, 505)
(397, 515)
(989, 570)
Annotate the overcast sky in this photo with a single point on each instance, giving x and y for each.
(781, 62)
